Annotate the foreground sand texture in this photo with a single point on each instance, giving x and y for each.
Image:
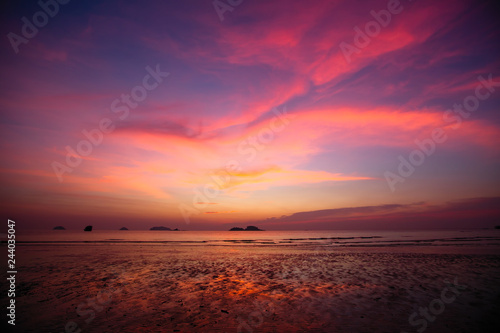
(157, 288)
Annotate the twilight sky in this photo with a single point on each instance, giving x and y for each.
(284, 114)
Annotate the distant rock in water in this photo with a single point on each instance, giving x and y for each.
(497, 227)
(123, 228)
(160, 228)
(176, 229)
(248, 228)
(88, 228)
(59, 228)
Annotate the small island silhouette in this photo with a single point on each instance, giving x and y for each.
(88, 228)
(160, 228)
(59, 228)
(123, 228)
(248, 228)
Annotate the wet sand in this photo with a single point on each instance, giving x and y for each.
(158, 288)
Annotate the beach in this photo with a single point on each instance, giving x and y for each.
(136, 287)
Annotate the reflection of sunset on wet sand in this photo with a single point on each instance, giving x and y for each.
(152, 288)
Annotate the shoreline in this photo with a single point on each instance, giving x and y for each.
(158, 288)
(492, 249)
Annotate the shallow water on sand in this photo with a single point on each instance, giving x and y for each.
(307, 237)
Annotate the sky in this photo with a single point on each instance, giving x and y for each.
(201, 115)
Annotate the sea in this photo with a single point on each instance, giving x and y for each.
(330, 238)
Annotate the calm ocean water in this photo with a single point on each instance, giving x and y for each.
(325, 237)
